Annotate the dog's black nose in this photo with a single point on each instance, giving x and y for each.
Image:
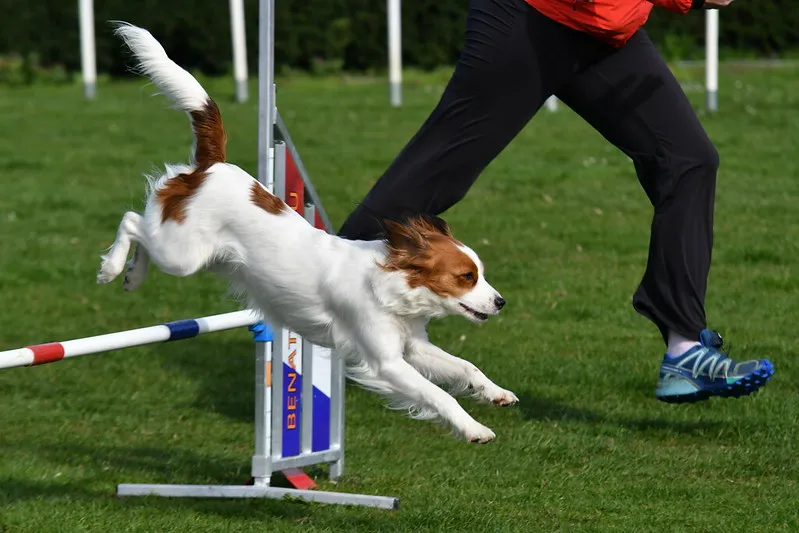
(499, 301)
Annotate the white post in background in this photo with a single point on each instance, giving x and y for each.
(552, 103)
(712, 59)
(87, 52)
(237, 33)
(395, 51)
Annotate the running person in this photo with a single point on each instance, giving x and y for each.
(596, 58)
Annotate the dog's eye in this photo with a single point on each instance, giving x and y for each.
(469, 276)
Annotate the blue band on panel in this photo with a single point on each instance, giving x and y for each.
(292, 411)
(262, 332)
(183, 329)
(320, 440)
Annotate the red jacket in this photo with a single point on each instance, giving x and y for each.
(612, 21)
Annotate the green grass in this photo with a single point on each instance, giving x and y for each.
(562, 225)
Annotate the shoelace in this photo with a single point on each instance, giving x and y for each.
(718, 362)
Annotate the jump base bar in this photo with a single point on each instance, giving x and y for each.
(250, 491)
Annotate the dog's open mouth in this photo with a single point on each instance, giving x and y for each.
(475, 315)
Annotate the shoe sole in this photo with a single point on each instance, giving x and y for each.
(743, 387)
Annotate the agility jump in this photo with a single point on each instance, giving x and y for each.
(301, 420)
(299, 387)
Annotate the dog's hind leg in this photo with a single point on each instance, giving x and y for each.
(137, 269)
(114, 260)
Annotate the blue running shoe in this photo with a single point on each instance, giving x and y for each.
(705, 371)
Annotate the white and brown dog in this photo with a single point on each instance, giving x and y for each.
(368, 300)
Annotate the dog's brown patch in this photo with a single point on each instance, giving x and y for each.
(175, 194)
(210, 135)
(211, 140)
(266, 200)
(425, 250)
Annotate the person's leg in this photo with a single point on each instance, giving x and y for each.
(632, 98)
(513, 59)
(634, 101)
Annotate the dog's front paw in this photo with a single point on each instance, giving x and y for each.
(504, 398)
(497, 395)
(478, 433)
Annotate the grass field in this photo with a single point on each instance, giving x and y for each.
(562, 225)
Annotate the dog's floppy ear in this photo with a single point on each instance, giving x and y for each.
(431, 224)
(404, 237)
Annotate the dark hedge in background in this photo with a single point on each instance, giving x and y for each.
(334, 34)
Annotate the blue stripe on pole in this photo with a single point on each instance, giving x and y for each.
(183, 329)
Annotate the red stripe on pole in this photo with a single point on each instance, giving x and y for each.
(46, 353)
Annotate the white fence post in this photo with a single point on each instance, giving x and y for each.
(395, 51)
(712, 59)
(237, 34)
(88, 55)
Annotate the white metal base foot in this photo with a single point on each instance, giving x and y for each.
(251, 491)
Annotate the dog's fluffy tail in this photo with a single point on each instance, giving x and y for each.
(182, 88)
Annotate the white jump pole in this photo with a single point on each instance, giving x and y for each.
(87, 51)
(712, 59)
(182, 329)
(238, 35)
(394, 12)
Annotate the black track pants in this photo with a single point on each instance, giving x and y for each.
(513, 59)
